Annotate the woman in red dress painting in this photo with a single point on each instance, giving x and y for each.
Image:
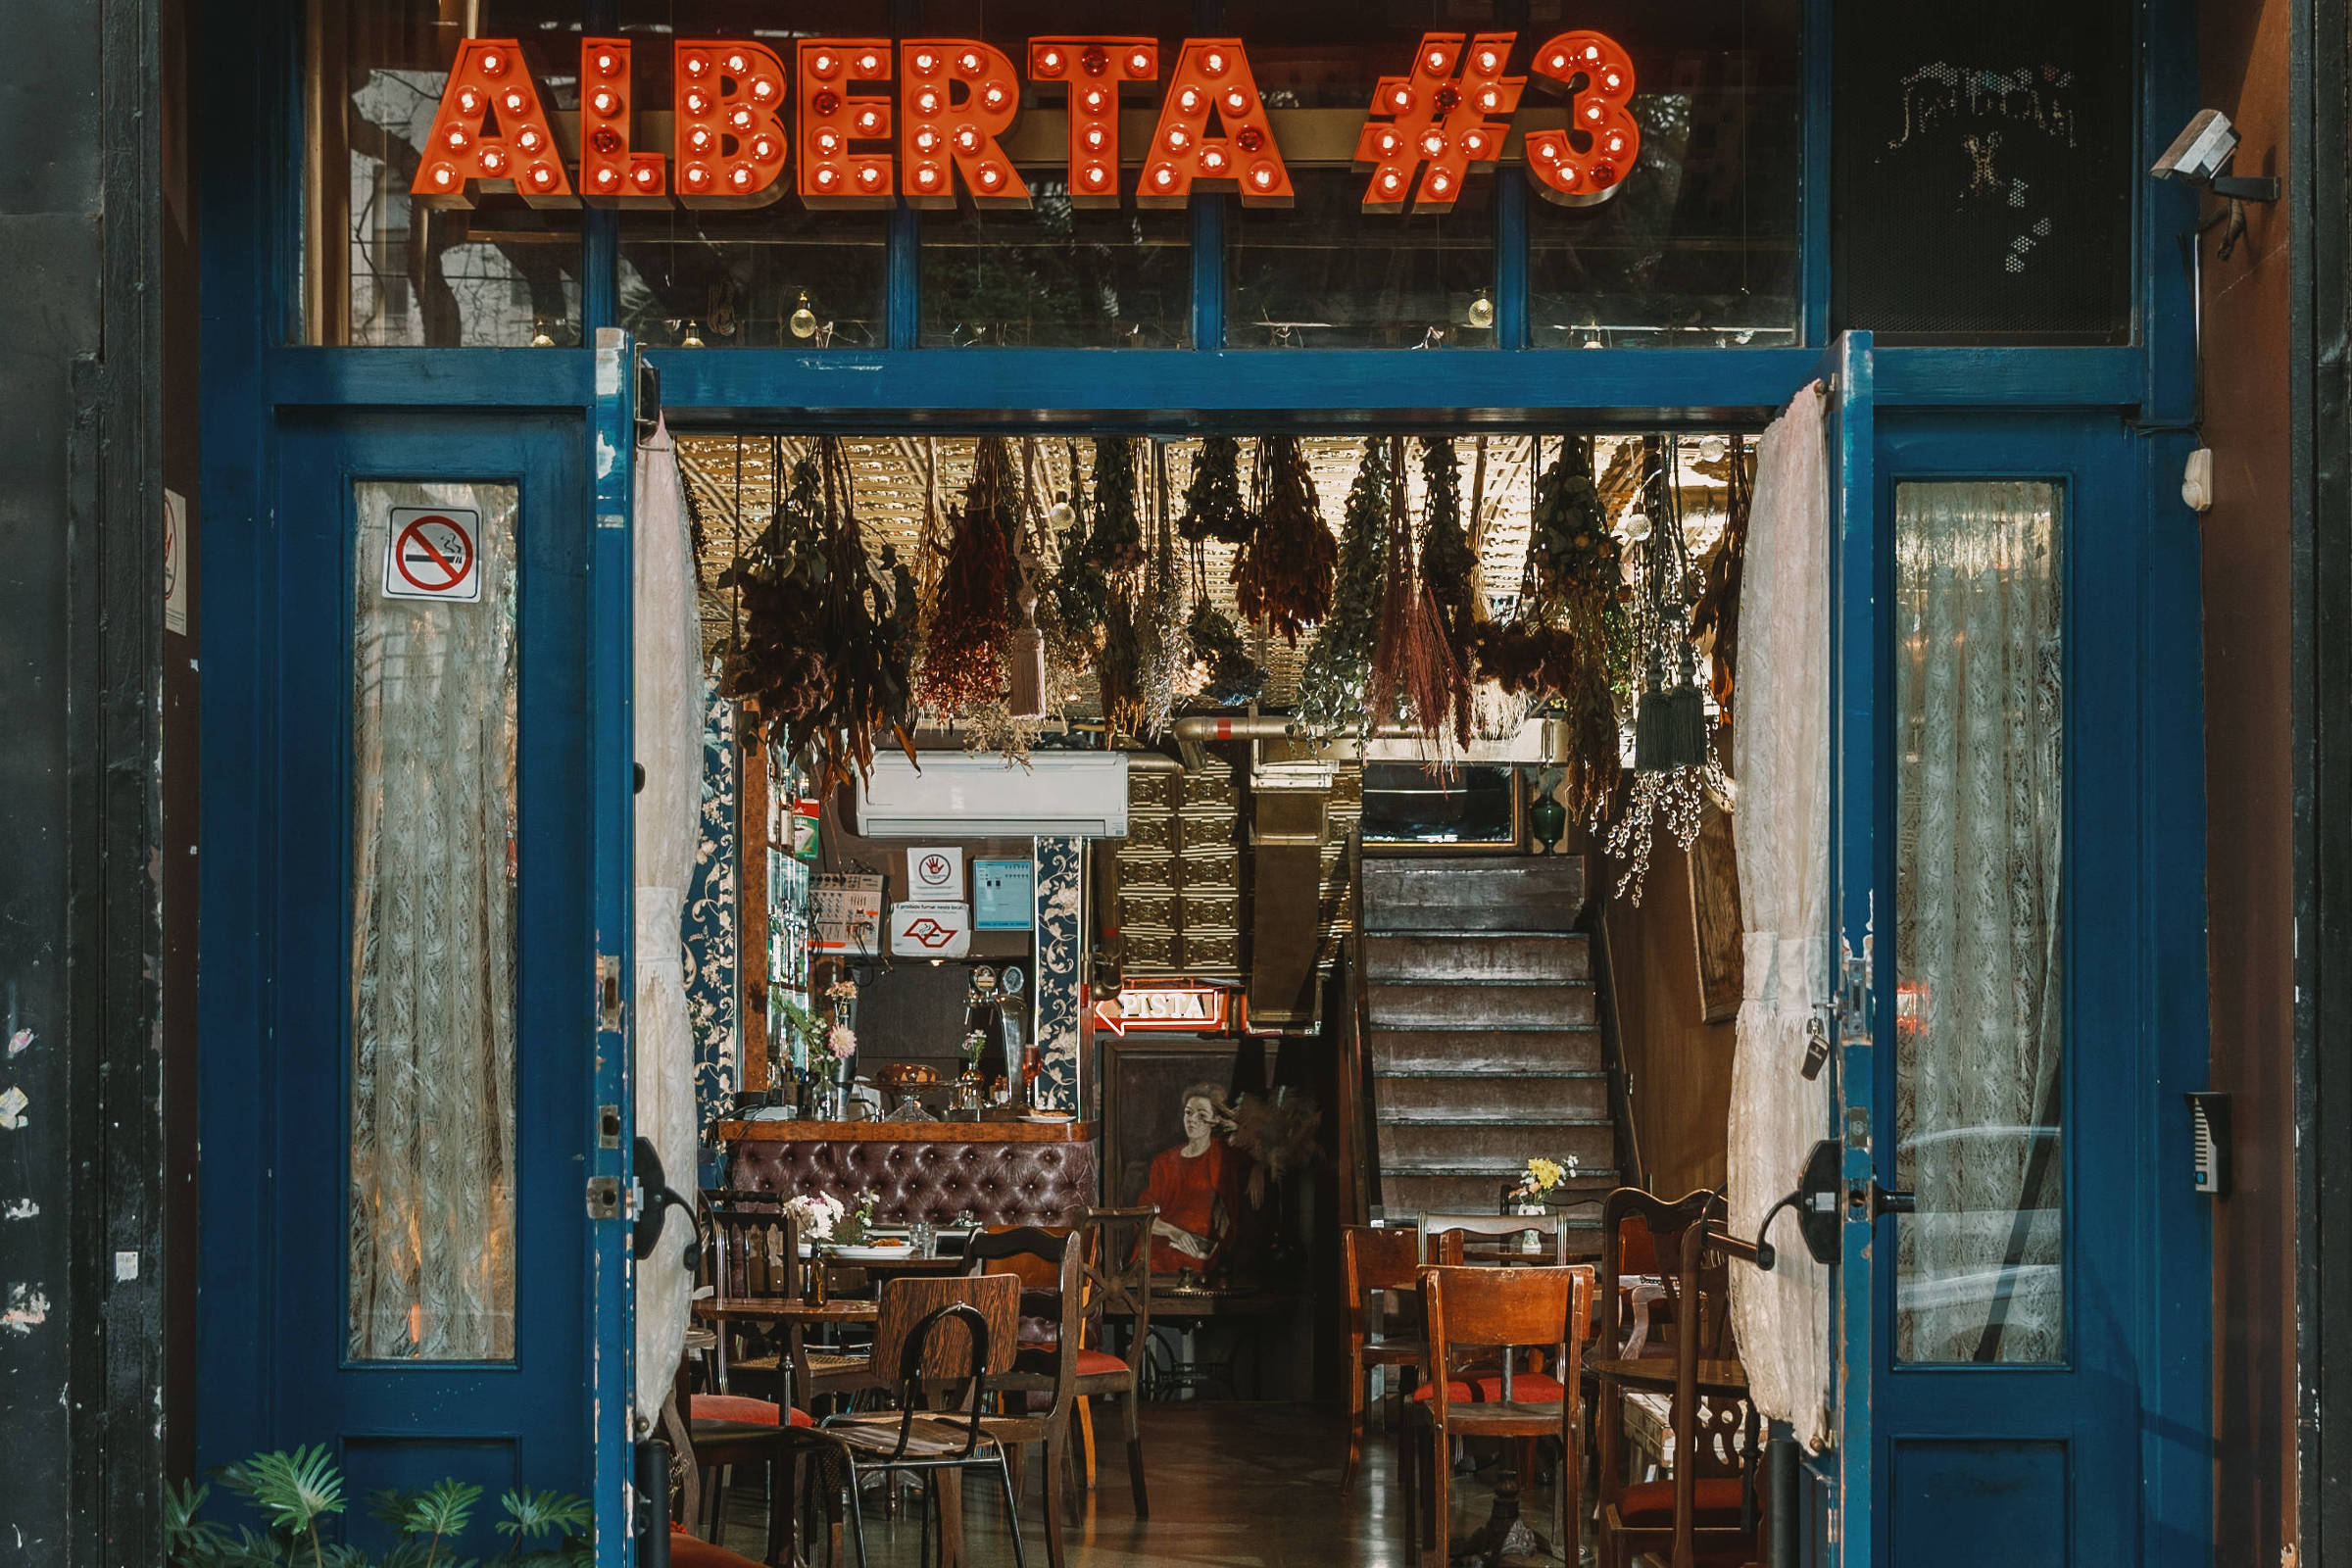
(1198, 1187)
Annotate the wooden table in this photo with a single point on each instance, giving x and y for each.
(785, 1309)
(1722, 1380)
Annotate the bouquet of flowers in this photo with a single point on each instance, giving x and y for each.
(1543, 1179)
(841, 1047)
(815, 1214)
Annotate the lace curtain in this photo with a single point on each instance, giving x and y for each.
(433, 950)
(1978, 1001)
(668, 715)
(1779, 758)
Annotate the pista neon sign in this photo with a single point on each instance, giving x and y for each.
(872, 121)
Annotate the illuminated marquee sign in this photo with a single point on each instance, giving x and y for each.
(871, 122)
(1182, 1008)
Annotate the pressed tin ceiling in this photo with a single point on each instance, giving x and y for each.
(733, 481)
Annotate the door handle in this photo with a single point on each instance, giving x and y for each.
(653, 1212)
(1815, 1204)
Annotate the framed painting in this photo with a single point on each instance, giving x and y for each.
(1715, 917)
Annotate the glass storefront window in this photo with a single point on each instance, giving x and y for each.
(1057, 276)
(1323, 272)
(381, 269)
(1980, 994)
(739, 279)
(431, 1267)
(1699, 248)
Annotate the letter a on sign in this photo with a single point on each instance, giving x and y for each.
(434, 552)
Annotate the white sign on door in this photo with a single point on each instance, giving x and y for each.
(433, 552)
(176, 563)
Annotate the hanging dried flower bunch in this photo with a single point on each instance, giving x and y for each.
(1560, 647)
(1282, 573)
(1116, 543)
(1213, 500)
(1449, 565)
(1081, 588)
(1234, 677)
(1159, 615)
(1412, 663)
(1331, 688)
(822, 664)
(963, 648)
(1715, 619)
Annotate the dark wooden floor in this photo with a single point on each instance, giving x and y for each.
(1233, 1486)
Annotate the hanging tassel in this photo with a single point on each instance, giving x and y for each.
(1670, 730)
(1025, 661)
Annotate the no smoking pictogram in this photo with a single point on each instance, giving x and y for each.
(432, 553)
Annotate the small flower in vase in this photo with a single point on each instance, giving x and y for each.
(1543, 1183)
(841, 1047)
(814, 1215)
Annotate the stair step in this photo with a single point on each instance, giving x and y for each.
(1554, 956)
(1472, 893)
(1520, 1099)
(1403, 1196)
(1428, 1005)
(1500, 1147)
(1408, 1051)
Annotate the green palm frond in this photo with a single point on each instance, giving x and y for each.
(443, 1509)
(532, 1514)
(295, 1489)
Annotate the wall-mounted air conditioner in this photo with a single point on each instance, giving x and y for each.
(959, 796)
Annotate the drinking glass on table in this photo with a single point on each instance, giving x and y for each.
(924, 1236)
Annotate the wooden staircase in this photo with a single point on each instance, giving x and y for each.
(1479, 1031)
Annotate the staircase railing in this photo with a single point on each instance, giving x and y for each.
(1359, 1124)
(1632, 1171)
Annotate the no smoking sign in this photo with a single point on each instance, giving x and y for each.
(433, 552)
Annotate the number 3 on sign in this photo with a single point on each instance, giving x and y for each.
(433, 552)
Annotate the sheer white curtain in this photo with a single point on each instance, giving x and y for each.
(1979, 1006)
(432, 948)
(669, 722)
(1781, 760)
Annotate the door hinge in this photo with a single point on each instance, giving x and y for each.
(1854, 999)
(604, 1197)
(607, 992)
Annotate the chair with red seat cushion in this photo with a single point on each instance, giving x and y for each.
(690, 1551)
(1504, 1310)
(742, 1407)
(1114, 1260)
(1714, 1447)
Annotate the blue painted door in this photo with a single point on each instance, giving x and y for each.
(434, 1071)
(2011, 1386)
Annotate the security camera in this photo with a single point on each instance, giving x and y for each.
(2200, 153)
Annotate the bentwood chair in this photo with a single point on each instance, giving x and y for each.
(751, 1248)
(1708, 1511)
(1502, 1311)
(947, 1339)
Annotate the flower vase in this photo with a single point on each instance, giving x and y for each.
(1548, 818)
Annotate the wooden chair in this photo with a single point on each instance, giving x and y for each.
(711, 1436)
(1638, 1231)
(1501, 1311)
(1045, 1369)
(1493, 1231)
(945, 1339)
(1115, 1261)
(752, 1247)
(1707, 1510)
(1379, 1261)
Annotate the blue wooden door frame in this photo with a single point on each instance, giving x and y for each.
(276, 1082)
(246, 72)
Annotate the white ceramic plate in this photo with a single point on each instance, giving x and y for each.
(873, 1254)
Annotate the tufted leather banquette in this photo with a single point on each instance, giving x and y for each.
(927, 1179)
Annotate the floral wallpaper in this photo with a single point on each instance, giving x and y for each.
(1060, 866)
(710, 924)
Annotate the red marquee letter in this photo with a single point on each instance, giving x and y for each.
(1094, 67)
(958, 96)
(489, 86)
(1596, 69)
(832, 120)
(730, 144)
(1437, 115)
(1212, 77)
(612, 174)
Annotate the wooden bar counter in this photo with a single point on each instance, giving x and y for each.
(1001, 1172)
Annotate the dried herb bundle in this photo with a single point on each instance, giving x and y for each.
(1411, 659)
(1081, 588)
(1331, 688)
(1570, 550)
(963, 648)
(1159, 613)
(1213, 500)
(1449, 565)
(1715, 619)
(1282, 573)
(1234, 677)
(828, 632)
(1116, 543)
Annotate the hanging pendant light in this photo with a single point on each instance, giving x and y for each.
(804, 320)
